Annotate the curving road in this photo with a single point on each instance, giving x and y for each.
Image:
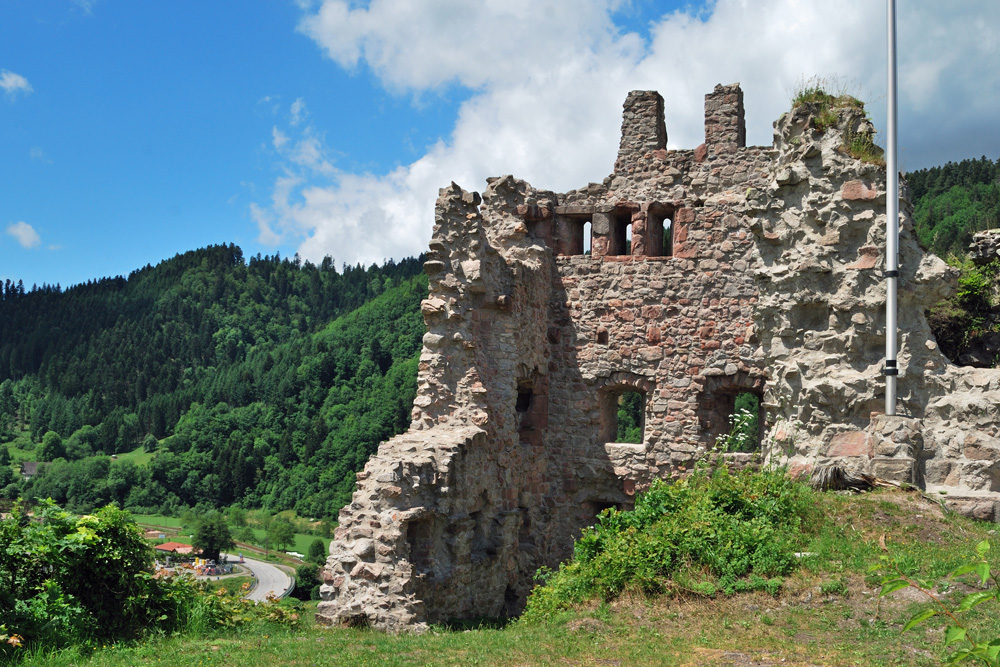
(270, 579)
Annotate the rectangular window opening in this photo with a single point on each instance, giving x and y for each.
(623, 416)
(575, 231)
(660, 230)
(621, 233)
(744, 427)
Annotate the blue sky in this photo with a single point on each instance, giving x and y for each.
(131, 131)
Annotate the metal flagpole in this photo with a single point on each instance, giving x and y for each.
(891, 227)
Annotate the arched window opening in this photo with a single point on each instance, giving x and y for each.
(587, 231)
(590, 510)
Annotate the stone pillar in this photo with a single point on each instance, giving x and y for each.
(643, 129)
(641, 242)
(600, 243)
(725, 127)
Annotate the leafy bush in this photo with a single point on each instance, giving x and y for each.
(68, 579)
(959, 322)
(317, 552)
(722, 531)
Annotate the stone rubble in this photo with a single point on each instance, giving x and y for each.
(749, 269)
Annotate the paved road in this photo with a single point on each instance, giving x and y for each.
(270, 579)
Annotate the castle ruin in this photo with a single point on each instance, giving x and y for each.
(686, 277)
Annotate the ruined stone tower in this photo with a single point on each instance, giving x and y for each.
(687, 276)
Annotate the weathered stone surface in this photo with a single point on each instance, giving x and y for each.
(852, 443)
(858, 190)
(894, 469)
(985, 246)
(750, 269)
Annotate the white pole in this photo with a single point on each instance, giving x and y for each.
(891, 226)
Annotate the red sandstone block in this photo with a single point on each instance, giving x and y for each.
(851, 443)
(867, 258)
(858, 190)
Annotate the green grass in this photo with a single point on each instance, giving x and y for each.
(157, 520)
(825, 106)
(302, 541)
(19, 453)
(301, 544)
(827, 613)
(138, 456)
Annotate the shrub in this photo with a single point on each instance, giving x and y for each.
(68, 580)
(722, 531)
(960, 322)
(306, 578)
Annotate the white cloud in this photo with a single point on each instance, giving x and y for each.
(298, 111)
(39, 155)
(87, 6)
(278, 138)
(548, 79)
(24, 233)
(12, 83)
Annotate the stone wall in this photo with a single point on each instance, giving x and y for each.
(688, 276)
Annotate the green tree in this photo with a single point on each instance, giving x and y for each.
(212, 536)
(4, 456)
(317, 552)
(280, 533)
(631, 405)
(7, 477)
(52, 447)
(237, 516)
(81, 443)
(306, 578)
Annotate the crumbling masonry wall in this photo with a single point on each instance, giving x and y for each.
(686, 275)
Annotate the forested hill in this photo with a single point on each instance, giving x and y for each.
(266, 382)
(954, 201)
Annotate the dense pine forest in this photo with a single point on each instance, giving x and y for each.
(954, 201)
(208, 380)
